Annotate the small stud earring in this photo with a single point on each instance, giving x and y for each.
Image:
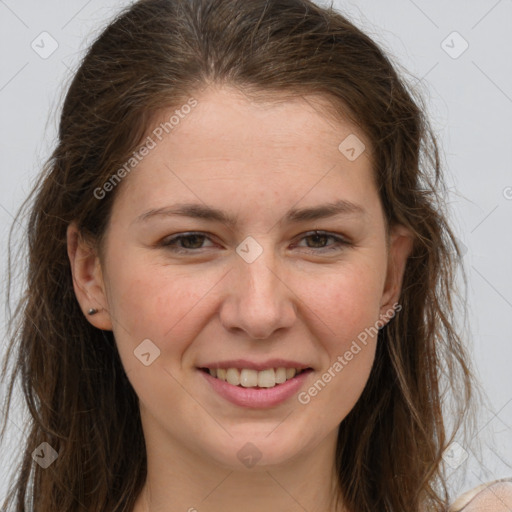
(92, 311)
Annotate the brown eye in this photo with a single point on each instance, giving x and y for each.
(185, 242)
(320, 238)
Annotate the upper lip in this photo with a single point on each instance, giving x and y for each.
(254, 365)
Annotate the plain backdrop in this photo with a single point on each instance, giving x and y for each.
(457, 53)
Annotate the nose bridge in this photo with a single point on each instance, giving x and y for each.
(259, 279)
(259, 302)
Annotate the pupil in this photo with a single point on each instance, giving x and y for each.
(316, 237)
(192, 237)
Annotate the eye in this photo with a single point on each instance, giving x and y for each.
(185, 242)
(319, 238)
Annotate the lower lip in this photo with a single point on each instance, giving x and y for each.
(257, 398)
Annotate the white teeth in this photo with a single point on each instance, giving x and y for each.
(267, 378)
(249, 378)
(280, 375)
(233, 376)
(290, 373)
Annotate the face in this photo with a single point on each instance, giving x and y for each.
(284, 284)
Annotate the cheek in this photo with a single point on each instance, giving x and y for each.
(157, 316)
(142, 292)
(348, 301)
(350, 308)
(151, 302)
(349, 305)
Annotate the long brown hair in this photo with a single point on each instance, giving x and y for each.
(156, 54)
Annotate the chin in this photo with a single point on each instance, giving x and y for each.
(253, 451)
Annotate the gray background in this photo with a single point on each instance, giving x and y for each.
(470, 104)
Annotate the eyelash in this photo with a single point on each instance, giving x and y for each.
(170, 243)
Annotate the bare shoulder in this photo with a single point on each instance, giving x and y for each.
(495, 496)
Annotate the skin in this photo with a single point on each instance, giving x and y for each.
(296, 301)
(489, 497)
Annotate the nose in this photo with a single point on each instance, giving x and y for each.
(259, 300)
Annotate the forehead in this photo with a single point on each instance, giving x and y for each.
(229, 143)
(225, 114)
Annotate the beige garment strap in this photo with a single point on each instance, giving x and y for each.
(462, 501)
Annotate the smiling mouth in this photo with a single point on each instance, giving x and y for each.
(248, 378)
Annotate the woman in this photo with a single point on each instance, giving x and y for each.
(241, 277)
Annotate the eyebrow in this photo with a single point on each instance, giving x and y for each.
(204, 212)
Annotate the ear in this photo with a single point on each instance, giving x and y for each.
(87, 278)
(399, 248)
